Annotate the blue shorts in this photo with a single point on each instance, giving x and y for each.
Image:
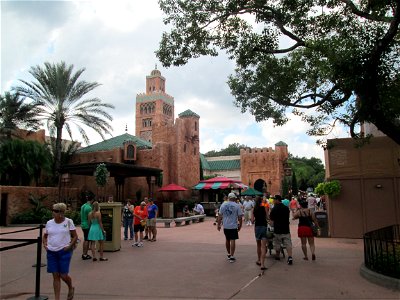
(58, 261)
(260, 232)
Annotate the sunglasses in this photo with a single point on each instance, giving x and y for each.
(58, 211)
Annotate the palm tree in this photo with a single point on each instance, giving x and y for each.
(58, 93)
(15, 113)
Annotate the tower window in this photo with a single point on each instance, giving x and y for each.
(184, 147)
(195, 126)
(146, 123)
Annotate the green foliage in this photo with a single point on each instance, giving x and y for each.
(340, 59)
(101, 175)
(295, 189)
(285, 187)
(15, 113)
(308, 172)
(23, 161)
(37, 215)
(58, 93)
(232, 149)
(330, 188)
(319, 190)
(74, 216)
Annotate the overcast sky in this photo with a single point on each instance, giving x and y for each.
(115, 42)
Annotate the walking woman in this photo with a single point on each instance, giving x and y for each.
(306, 218)
(259, 219)
(59, 240)
(96, 232)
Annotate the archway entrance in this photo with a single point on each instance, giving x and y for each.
(260, 185)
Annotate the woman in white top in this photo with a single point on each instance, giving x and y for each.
(59, 240)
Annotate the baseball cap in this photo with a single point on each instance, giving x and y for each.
(232, 195)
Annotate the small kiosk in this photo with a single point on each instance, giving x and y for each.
(111, 218)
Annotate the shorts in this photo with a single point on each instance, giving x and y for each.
(58, 261)
(85, 234)
(151, 222)
(231, 234)
(304, 231)
(138, 227)
(282, 239)
(260, 232)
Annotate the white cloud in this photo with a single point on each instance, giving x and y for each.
(115, 41)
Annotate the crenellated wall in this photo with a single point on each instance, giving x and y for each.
(264, 164)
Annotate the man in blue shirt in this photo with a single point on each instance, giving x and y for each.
(152, 211)
(230, 213)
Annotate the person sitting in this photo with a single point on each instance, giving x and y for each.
(186, 212)
(198, 209)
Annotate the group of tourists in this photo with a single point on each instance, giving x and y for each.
(140, 219)
(267, 219)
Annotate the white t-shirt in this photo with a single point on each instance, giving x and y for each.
(59, 235)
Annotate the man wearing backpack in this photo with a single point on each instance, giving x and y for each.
(127, 214)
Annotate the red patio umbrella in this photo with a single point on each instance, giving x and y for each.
(172, 187)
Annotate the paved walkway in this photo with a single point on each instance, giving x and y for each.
(189, 262)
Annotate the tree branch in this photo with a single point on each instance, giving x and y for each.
(363, 14)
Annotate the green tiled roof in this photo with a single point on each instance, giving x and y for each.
(280, 144)
(224, 164)
(116, 142)
(204, 162)
(188, 113)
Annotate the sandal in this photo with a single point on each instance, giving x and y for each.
(313, 257)
(305, 258)
(258, 263)
(103, 259)
(71, 294)
(94, 259)
(263, 268)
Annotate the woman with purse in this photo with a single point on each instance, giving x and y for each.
(305, 232)
(59, 241)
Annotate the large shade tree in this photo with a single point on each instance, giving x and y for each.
(16, 113)
(58, 91)
(329, 61)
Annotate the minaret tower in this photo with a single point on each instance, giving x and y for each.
(153, 107)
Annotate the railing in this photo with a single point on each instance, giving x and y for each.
(382, 251)
(26, 242)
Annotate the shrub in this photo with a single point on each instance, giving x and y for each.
(330, 188)
(74, 216)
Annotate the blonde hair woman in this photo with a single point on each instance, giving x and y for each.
(96, 231)
(59, 240)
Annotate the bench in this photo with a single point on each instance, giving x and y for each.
(167, 222)
(178, 221)
(194, 219)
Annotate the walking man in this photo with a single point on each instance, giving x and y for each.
(86, 209)
(280, 217)
(231, 215)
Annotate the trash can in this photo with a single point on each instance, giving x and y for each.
(111, 218)
(322, 218)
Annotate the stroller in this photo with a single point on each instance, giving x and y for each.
(270, 238)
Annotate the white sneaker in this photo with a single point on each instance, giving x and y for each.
(135, 244)
(140, 244)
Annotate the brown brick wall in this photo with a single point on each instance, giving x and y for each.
(265, 164)
(18, 197)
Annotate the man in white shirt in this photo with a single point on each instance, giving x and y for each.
(198, 209)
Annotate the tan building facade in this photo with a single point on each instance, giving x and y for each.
(370, 186)
(160, 142)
